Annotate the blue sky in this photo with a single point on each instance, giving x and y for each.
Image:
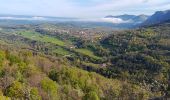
(82, 8)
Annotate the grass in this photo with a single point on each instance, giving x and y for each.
(45, 38)
(40, 37)
(87, 53)
(91, 64)
(61, 51)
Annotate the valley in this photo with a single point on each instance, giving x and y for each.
(69, 61)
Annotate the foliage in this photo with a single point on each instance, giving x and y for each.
(91, 96)
(34, 94)
(47, 62)
(50, 87)
(16, 90)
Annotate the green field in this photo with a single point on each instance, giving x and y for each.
(87, 53)
(61, 51)
(40, 37)
(45, 38)
(91, 64)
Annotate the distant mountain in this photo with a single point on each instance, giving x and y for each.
(133, 19)
(158, 17)
(140, 18)
(123, 17)
(117, 23)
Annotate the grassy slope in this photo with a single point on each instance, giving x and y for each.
(42, 38)
(46, 38)
(62, 51)
(87, 53)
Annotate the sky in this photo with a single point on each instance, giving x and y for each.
(82, 8)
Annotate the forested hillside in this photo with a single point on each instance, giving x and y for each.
(35, 77)
(60, 62)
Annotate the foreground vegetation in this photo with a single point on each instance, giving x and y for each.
(35, 77)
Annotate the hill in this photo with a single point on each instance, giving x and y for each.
(158, 17)
(133, 19)
(49, 61)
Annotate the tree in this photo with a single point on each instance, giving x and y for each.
(91, 96)
(2, 97)
(2, 57)
(34, 95)
(16, 90)
(50, 87)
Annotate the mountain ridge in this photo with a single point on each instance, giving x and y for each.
(157, 17)
(131, 18)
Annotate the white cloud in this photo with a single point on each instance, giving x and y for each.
(109, 20)
(115, 20)
(23, 18)
(82, 8)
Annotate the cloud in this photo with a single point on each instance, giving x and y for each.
(22, 18)
(115, 20)
(81, 8)
(39, 18)
(108, 20)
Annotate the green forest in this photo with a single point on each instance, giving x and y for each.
(46, 62)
